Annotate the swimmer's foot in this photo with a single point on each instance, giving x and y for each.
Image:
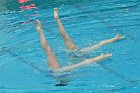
(38, 26)
(118, 37)
(56, 13)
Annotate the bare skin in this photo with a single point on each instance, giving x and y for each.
(70, 44)
(85, 62)
(102, 43)
(53, 61)
(67, 40)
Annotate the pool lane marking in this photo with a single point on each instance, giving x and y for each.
(120, 75)
(108, 24)
(23, 60)
(117, 74)
(102, 65)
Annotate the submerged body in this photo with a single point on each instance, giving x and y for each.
(53, 61)
(56, 70)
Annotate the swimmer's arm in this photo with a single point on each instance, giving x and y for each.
(85, 62)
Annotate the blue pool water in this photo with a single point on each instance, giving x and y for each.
(23, 65)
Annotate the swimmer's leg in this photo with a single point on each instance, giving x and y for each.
(102, 43)
(85, 62)
(52, 60)
(68, 41)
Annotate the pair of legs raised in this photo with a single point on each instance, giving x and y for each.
(52, 60)
(70, 44)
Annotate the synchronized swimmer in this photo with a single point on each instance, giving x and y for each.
(70, 44)
(53, 62)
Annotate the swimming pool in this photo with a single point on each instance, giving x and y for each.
(23, 66)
